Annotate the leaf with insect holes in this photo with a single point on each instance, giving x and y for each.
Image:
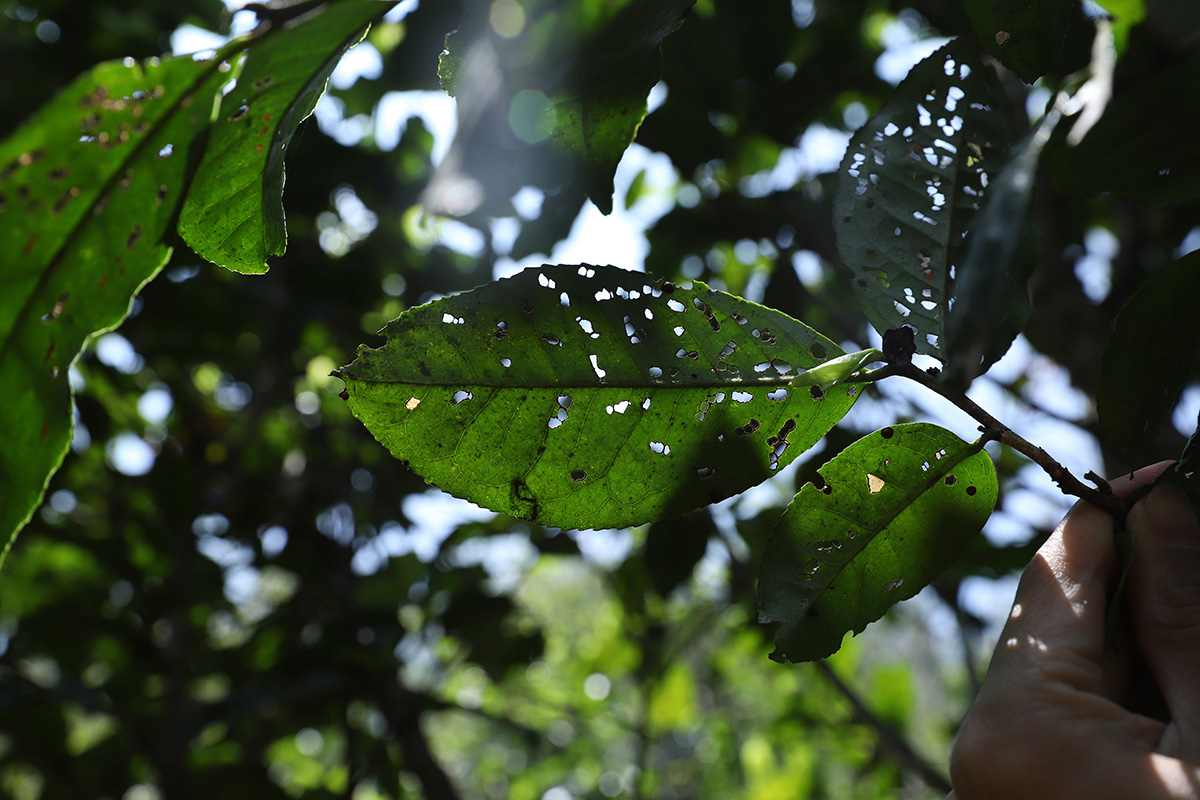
(88, 190)
(233, 215)
(896, 509)
(910, 183)
(593, 397)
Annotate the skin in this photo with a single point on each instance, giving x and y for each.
(1056, 716)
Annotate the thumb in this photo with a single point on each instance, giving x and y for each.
(1164, 601)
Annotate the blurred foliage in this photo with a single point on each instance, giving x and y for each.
(268, 605)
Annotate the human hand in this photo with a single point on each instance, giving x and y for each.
(1049, 720)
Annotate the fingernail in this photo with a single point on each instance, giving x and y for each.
(1171, 517)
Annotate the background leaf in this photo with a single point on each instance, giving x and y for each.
(896, 509)
(88, 190)
(1149, 358)
(574, 75)
(1026, 37)
(910, 183)
(592, 397)
(233, 215)
(1146, 137)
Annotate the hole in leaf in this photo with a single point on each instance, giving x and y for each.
(875, 484)
(655, 372)
(646, 404)
(676, 306)
(596, 367)
(166, 151)
(971, 490)
(951, 480)
(564, 300)
(747, 429)
(660, 448)
(705, 472)
(818, 351)
(891, 586)
(551, 339)
(505, 361)
(778, 394)
(742, 397)
(578, 475)
(460, 397)
(816, 392)
(450, 319)
(412, 403)
(617, 408)
(501, 329)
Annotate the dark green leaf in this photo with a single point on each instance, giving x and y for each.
(592, 397)
(233, 215)
(911, 181)
(1026, 37)
(1148, 357)
(1144, 146)
(991, 302)
(88, 189)
(896, 509)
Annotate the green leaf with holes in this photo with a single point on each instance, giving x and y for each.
(896, 510)
(1149, 358)
(910, 183)
(593, 397)
(233, 215)
(89, 188)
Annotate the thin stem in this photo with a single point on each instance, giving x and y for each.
(1067, 482)
(888, 735)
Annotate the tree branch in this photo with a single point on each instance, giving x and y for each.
(1067, 482)
(888, 736)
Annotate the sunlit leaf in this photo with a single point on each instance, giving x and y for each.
(88, 190)
(233, 215)
(592, 397)
(912, 179)
(896, 509)
(1149, 358)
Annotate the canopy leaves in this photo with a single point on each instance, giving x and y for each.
(896, 509)
(592, 397)
(574, 75)
(910, 183)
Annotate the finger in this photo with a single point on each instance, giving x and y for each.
(1164, 604)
